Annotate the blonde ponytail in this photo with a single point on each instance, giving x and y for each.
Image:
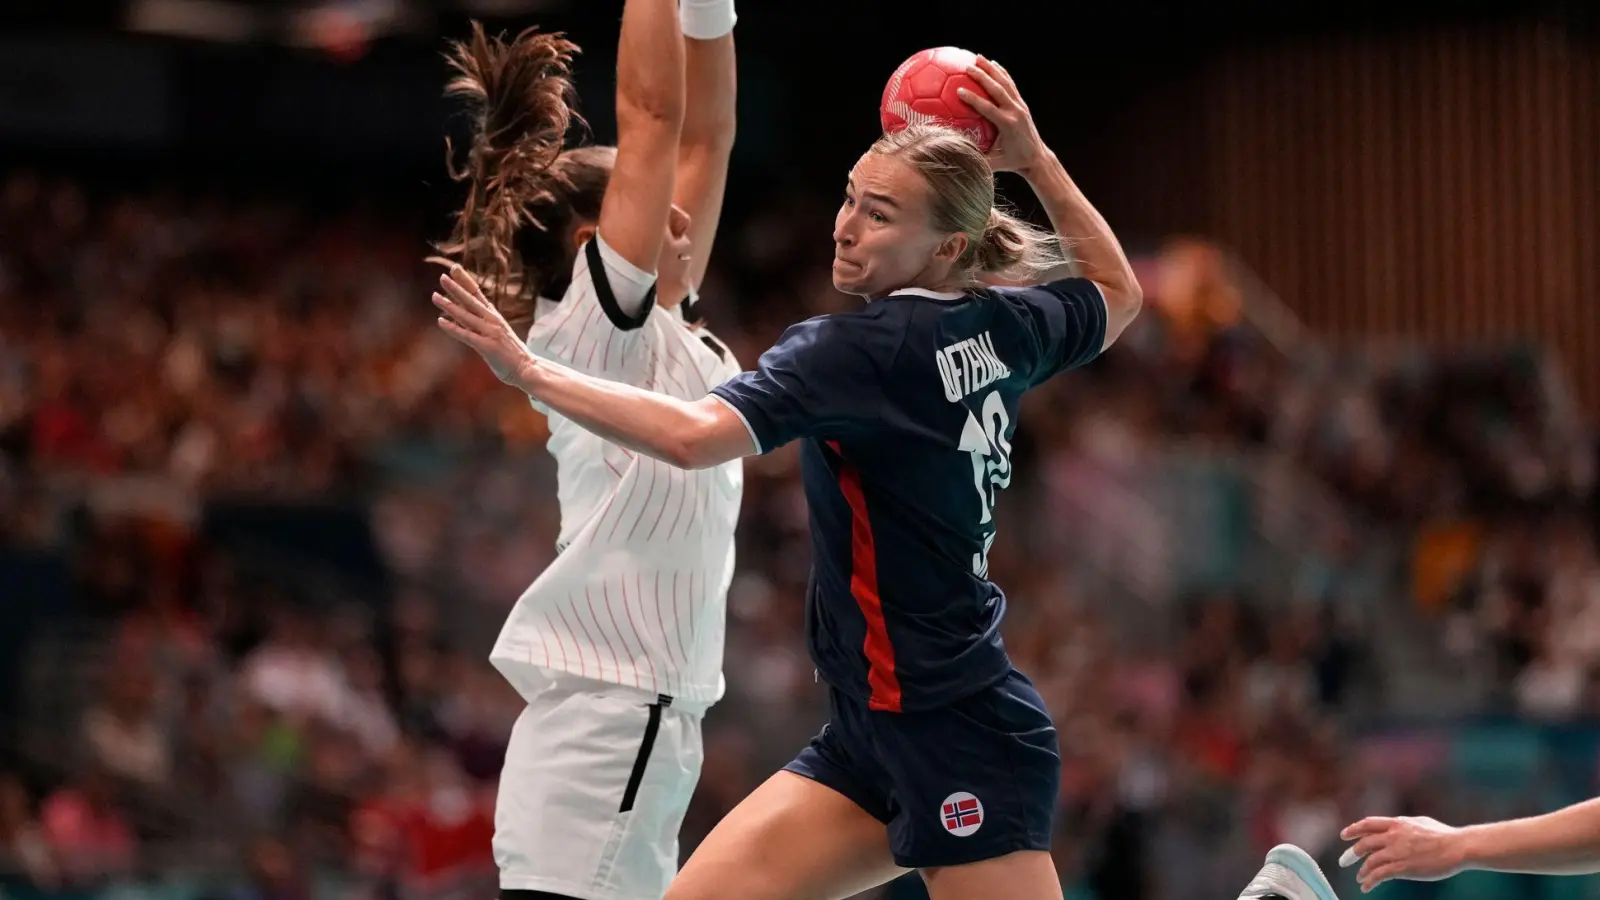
(1015, 251)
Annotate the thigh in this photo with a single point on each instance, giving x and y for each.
(972, 781)
(1023, 875)
(791, 839)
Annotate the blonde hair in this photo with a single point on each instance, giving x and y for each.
(999, 245)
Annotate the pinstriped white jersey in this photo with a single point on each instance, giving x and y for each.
(637, 594)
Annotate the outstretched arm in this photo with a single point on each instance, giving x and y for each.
(689, 435)
(708, 123)
(695, 434)
(1564, 842)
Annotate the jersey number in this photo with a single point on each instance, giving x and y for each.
(991, 470)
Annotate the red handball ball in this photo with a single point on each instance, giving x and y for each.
(923, 92)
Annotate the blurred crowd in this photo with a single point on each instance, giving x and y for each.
(261, 717)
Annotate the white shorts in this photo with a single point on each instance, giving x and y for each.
(596, 782)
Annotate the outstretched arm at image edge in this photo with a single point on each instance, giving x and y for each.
(1564, 842)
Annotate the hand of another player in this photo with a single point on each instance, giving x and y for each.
(1413, 848)
(1018, 146)
(470, 318)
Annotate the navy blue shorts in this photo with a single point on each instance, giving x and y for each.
(970, 781)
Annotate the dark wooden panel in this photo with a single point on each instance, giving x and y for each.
(1443, 186)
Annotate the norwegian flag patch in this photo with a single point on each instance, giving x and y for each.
(961, 813)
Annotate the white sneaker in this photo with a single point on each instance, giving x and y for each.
(1289, 873)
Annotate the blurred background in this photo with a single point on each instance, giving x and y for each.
(1317, 539)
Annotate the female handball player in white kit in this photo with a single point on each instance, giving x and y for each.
(594, 253)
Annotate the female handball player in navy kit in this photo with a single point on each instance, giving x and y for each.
(938, 755)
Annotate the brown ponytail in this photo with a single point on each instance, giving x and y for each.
(521, 98)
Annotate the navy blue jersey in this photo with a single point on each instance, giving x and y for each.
(906, 410)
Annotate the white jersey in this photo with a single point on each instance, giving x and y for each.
(637, 594)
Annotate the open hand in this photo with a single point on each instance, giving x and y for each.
(470, 318)
(1018, 146)
(1413, 848)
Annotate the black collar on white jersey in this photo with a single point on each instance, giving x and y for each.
(692, 313)
(695, 317)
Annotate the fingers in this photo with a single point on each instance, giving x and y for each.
(1369, 825)
(999, 74)
(1374, 862)
(1369, 879)
(1371, 835)
(997, 93)
(467, 319)
(469, 281)
(456, 284)
(477, 343)
(456, 330)
(1364, 848)
(984, 106)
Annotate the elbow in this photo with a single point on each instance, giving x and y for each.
(1124, 297)
(680, 454)
(659, 108)
(1123, 303)
(688, 456)
(1133, 301)
(680, 449)
(692, 453)
(695, 445)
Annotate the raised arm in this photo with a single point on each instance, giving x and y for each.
(1020, 149)
(1096, 249)
(650, 111)
(708, 123)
